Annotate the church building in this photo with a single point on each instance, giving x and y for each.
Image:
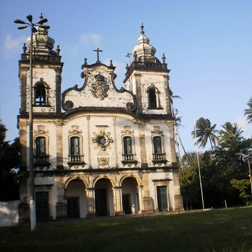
(98, 150)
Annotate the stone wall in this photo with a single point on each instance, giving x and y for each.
(9, 213)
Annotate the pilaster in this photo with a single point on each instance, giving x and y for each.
(91, 212)
(117, 193)
(59, 145)
(138, 92)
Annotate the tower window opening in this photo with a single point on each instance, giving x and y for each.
(40, 94)
(152, 98)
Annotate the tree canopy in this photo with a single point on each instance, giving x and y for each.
(248, 111)
(204, 131)
(224, 172)
(9, 159)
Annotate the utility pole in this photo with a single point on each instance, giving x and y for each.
(33, 26)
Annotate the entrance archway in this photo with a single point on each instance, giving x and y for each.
(104, 202)
(76, 199)
(130, 198)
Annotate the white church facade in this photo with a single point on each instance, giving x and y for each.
(98, 150)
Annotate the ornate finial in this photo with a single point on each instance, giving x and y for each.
(58, 50)
(41, 15)
(142, 27)
(97, 50)
(111, 63)
(24, 48)
(163, 58)
(85, 61)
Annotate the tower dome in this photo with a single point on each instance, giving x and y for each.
(144, 50)
(42, 43)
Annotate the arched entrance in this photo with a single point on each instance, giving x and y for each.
(130, 200)
(104, 198)
(76, 199)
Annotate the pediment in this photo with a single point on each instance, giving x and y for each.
(98, 91)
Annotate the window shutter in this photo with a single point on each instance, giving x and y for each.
(127, 145)
(157, 145)
(75, 146)
(40, 146)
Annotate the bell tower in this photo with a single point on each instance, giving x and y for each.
(47, 68)
(148, 78)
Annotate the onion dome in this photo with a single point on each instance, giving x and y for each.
(144, 50)
(42, 43)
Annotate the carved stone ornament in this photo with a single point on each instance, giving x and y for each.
(69, 104)
(100, 87)
(103, 161)
(130, 106)
(102, 140)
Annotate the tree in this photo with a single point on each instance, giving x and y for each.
(248, 112)
(189, 181)
(177, 124)
(2, 132)
(230, 136)
(9, 159)
(171, 96)
(242, 185)
(204, 131)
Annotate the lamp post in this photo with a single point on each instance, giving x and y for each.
(30, 153)
(250, 178)
(248, 157)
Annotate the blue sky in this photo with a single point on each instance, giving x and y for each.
(207, 44)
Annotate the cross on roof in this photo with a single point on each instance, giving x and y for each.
(98, 50)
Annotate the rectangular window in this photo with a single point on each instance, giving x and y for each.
(40, 146)
(157, 145)
(75, 146)
(127, 141)
(75, 155)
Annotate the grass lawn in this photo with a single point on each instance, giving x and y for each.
(216, 230)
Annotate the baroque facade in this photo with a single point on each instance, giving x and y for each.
(98, 150)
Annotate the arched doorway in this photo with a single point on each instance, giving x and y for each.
(130, 200)
(104, 203)
(76, 199)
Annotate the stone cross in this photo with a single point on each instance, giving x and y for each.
(98, 50)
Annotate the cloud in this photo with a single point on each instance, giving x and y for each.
(11, 45)
(120, 71)
(89, 39)
(243, 124)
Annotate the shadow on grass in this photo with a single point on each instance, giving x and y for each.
(217, 230)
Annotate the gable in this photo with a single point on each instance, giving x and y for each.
(98, 91)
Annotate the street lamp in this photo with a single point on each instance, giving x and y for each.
(249, 157)
(33, 26)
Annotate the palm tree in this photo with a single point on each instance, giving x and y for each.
(172, 96)
(177, 124)
(248, 112)
(204, 131)
(231, 134)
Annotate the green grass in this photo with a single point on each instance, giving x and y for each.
(217, 230)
